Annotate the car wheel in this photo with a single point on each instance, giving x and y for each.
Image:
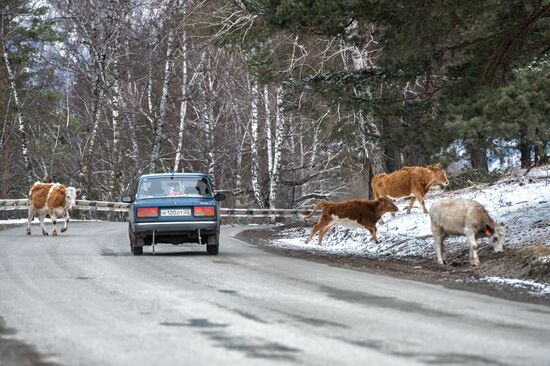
(212, 245)
(136, 250)
(136, 244)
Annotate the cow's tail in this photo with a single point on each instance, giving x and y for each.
(319, 205)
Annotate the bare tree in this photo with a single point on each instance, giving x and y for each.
(160, 118)
(9, 15)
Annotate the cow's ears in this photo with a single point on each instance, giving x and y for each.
(437, 165)
(77, 191)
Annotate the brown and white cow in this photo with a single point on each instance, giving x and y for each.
(467, 217)
(412, 181)
(53, 199)
(350, 214)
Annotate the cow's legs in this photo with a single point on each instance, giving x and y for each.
(54, 221)
(439, 237)
(66, 225)
(323, 221)
(323, 231)
(372, 229)
(420, 199)
(411, 202)
(474, 259)
(312, 232)
(41, 217)
(30, 218)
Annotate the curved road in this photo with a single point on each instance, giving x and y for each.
(83, 299)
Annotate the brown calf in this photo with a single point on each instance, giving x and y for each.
(351, 214)
(409, 181)
(53, 199)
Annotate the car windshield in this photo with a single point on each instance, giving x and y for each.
(175, 186)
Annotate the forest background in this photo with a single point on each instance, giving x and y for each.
(282, 102)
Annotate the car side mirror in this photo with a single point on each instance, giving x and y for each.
(219, 197)
(127, 199)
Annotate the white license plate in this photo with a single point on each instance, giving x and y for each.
(176, 212)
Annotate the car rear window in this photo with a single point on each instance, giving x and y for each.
(176, 186)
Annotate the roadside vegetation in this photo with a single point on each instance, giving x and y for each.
(281, 102)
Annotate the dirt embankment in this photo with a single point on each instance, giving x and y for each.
(531, 262)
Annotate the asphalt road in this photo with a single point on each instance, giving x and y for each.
(83, 299)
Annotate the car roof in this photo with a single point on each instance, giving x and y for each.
(175, 175)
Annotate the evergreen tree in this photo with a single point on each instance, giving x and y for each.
(23, 31)
(456, 54)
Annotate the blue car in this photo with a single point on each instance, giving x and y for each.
(174, 208)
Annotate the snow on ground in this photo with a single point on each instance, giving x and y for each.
(535, 287)
(522, 203)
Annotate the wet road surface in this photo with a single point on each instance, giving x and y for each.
(83, 299)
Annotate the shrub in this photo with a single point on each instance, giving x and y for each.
(469, 177)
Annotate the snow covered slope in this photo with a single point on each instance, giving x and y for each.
(521, 203)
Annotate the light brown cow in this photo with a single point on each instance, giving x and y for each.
(53, 199)
(412, 181)
(351, 214)
(467, 217)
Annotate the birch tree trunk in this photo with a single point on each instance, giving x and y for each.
(159, 121)
(254, 167)
(115, 114)
(268, 130)
(130, 119)
(86, 170)
(18, 114)
(277, 151)
(183, 103)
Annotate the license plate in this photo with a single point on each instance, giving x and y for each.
(176, 212)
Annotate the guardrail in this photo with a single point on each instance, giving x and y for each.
(104, 206)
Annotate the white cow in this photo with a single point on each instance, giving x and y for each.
(463, 217)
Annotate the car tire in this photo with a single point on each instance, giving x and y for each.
(212, 245)
(137, 250)
(135, 242)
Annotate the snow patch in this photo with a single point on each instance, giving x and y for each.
(535, 287)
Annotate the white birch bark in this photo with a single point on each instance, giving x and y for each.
(18, 114)
(85, 174)
(115, 118)
(159, 121)
(254, 119)
(183, 103)
(277, 151)
(269, 134)
(130, 119)
(210, 127)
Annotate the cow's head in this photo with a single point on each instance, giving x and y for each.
(386, 204)
(496, 236)
(71, 193)
(439, 174)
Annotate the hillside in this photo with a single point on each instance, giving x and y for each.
(520, 202)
